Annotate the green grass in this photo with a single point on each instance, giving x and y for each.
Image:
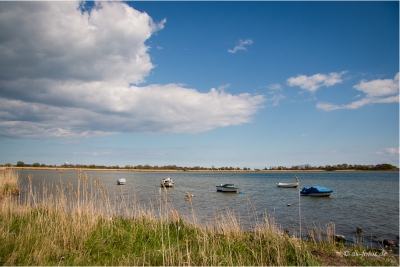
(73, 227)
(140, 242)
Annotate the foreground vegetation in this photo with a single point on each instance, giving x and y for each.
(8, 184)
(87, 226)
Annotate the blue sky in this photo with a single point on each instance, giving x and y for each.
(241, 84)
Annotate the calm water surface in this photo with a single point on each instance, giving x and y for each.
(369, 200)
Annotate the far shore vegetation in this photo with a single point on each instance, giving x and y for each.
(147, 167)
(89, 226)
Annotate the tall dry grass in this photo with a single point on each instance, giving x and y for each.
(9, 183)
(87, 225)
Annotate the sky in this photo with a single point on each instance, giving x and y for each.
(224, 84)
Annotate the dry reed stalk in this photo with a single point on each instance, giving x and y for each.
(253, 216)
(330, 233)
(298, 186)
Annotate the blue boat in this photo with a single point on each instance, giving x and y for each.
(316, 191)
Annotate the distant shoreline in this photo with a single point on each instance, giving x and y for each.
(152, 170)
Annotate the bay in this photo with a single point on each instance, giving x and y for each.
(369, 200)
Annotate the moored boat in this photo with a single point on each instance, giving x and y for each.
(167, 182)
(316, 191)
(287, 185)
(227, 188)
(121, 181)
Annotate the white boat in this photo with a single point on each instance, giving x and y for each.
(121, 181)
(287, 185)
(227, 188)
(316, 191)
(167, 182)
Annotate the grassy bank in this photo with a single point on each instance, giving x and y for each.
(88, 226)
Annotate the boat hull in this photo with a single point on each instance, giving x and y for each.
(167, 182)
(287, 185)
(167, 185)
(227, 188)
(317, 194)
(316, 191)
(121, 181)
(232, 190)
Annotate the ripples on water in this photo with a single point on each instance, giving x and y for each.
(369, 200)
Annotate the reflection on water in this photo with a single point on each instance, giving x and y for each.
(369, 200)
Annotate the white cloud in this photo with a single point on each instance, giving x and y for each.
(393, 151)
(275, 86)
(223, 87)
(389, 154)
(241, 46)
(55, 40)
(67, 73)
(274, 94)
(276, 98)
(313, 83)
(96, 154)
(327, 106)
(95, 109)
(377, 88)
(376, 91)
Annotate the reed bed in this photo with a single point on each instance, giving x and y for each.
(63, 225)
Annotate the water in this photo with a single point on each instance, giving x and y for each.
(369, 200)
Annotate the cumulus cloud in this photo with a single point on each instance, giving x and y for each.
(314, 82)
(70, 72)
(91, 109)
(378, 88)
(375, 91)
(240, 46)
(55, 40)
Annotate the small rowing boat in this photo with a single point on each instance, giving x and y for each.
(287, 185)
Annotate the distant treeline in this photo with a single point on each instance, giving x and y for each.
(338, 167)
